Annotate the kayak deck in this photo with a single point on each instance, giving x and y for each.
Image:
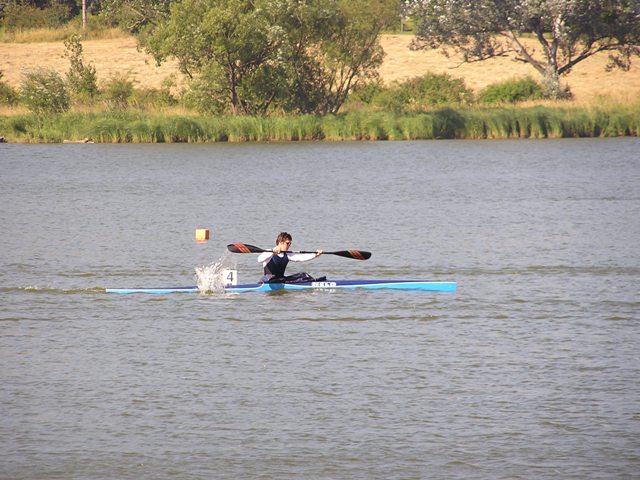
(429, 286)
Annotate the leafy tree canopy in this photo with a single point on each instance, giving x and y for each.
(133, 15)
(296, 55)
(567, 31)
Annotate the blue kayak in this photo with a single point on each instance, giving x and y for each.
(427, 286)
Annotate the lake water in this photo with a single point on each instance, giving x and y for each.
(530, 370)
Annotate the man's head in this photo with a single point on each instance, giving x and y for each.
(284, 240)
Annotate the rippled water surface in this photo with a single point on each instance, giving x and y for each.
(530, 370)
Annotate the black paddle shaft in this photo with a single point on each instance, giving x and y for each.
(246, 248)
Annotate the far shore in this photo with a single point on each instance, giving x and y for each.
(604, 104)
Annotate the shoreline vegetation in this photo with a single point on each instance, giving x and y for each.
(509, 122)
(127, 110)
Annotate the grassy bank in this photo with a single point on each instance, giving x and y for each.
(472, 123)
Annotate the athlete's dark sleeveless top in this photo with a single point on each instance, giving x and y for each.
(276, 266)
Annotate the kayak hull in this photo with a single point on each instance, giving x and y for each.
(428, 286)
(347, 284)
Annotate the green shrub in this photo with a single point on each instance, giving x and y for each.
(511, 91)
(428, 91)
(8, 94)
(364, 94)
(394, 100)
(152, 98)
(117, 91)
(44, 91)
(204, 97)
(439, 90)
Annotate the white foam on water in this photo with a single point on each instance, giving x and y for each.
(209, 278)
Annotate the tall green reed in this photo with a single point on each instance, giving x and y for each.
(117, 126)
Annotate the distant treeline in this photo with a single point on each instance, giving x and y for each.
(448, 123)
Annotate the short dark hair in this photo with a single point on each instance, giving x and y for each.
(283, 237)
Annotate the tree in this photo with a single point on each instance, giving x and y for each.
(82, 79)
(350, 52)
(332, 47)
(568, 32)
(228, 46)
(135, 15)
(297, 55)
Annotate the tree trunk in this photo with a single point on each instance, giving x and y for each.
(84, 15)
(551, 86)
(551, 83)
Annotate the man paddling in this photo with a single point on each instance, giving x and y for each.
(275, 262)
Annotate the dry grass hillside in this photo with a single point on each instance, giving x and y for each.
(119, 56)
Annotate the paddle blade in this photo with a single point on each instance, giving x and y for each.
(244, 248)
(355, 254)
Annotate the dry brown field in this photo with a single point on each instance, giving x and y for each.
(588, 81)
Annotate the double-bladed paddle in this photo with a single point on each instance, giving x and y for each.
(244, 248)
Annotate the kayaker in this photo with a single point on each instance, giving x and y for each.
(275, 262)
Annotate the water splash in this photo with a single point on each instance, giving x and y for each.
(209, 278)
